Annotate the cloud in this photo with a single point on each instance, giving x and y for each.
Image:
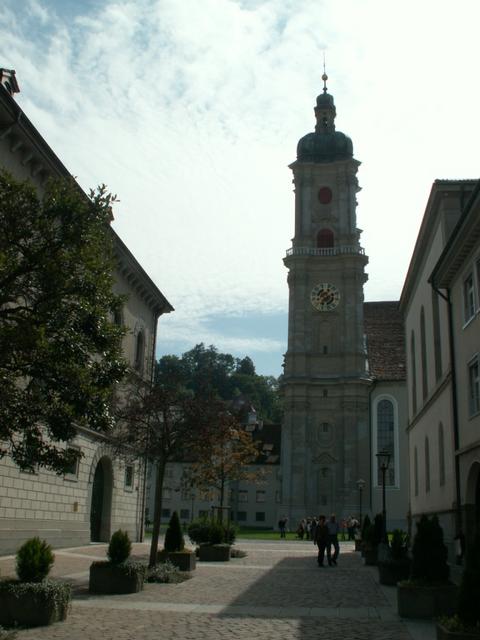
(191, 111)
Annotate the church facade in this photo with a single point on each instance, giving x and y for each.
(341, 406)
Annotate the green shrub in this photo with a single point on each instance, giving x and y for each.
(34, 560)
(365, 525)
(211, 532)
(120, 547)
(398, 544)
(429, 554)
(377, 529)
(166, 572)
(469, 596)
(174, 540)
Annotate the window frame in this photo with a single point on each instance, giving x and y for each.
(396, 444)
(468, 298)
(73, 476)
(129, 487)
(474, 386)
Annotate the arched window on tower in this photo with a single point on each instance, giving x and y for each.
(139, 351)
(325, 239)
(386, 438)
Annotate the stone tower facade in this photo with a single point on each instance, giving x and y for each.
(325, 435)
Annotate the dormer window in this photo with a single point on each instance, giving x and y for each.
(9, 81)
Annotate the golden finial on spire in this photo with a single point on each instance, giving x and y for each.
(324, 76)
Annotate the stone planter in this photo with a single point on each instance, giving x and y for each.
(214, 552)
(392, 572)
(111, 578)
(444, 634)
(33, 607)
(183, 560)
(370, 555)
(415, 601)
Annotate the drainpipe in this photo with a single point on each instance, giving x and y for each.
(456, 432)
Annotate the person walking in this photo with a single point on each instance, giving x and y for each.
(321, 540)
(282, 524)
(332, 526)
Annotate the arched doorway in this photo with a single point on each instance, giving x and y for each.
(101, 504)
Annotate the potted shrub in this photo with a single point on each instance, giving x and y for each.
(465, 624)
(33, 600)
(214, 539)
(372, 540)
(174, 547)
(118, 574)
(428, 592)
(365, 526)
(396, 565)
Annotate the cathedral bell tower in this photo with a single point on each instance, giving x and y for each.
(325, 442)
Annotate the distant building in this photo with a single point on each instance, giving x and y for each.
(344, 380)
(441, 305)
(102, 493)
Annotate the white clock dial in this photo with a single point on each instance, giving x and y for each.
(325, 296)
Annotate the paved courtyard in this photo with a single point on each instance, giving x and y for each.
(276, 591)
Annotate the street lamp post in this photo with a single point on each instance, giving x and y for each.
(383, 458)
(361, 486)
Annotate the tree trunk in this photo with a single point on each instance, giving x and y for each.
(157, 513)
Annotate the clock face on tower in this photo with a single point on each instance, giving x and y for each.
(324, 296)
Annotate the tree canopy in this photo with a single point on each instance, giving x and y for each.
(60, 352)
(205, 368)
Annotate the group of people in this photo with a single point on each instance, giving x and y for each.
(324, 534)
(326, 537)
(306, 528)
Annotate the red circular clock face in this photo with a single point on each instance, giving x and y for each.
(325, 195)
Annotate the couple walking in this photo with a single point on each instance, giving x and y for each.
(326, 536)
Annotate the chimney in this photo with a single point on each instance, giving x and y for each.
(9, 81)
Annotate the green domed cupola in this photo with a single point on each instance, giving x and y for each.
(325, 144)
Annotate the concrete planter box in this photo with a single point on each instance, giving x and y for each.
(214, 552)
(415, 601)
(445, 634)
(394, 571)
(183, 560)
(110, 578)
(30, 609)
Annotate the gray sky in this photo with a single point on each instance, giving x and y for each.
(191, 111)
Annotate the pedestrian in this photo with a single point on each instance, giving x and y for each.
(350, 528)
(321, 540)
(282, 524)
(332, 526)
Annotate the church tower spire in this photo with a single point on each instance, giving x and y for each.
(325, 445)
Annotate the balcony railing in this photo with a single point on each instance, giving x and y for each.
(330, 251)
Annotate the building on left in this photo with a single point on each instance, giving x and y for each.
(102, 492)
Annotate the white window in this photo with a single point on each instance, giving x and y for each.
(427, 465)
(385, 423)
(129, 477)
(441, 454)
(71, 473)
(468, 298)
(139, 351)
(243, 496)
(415, 470)
(167, 493)
(260, 496)
(474, 386)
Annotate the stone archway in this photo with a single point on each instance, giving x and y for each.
(101, 501)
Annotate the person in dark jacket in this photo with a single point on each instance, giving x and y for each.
(321, 539)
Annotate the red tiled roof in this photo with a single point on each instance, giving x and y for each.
(385, 333)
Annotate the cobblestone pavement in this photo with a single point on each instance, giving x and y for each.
(277, 591)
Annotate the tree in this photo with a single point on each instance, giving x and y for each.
(160, 424)
(204, 368)
(224, 456)
(60, 353)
